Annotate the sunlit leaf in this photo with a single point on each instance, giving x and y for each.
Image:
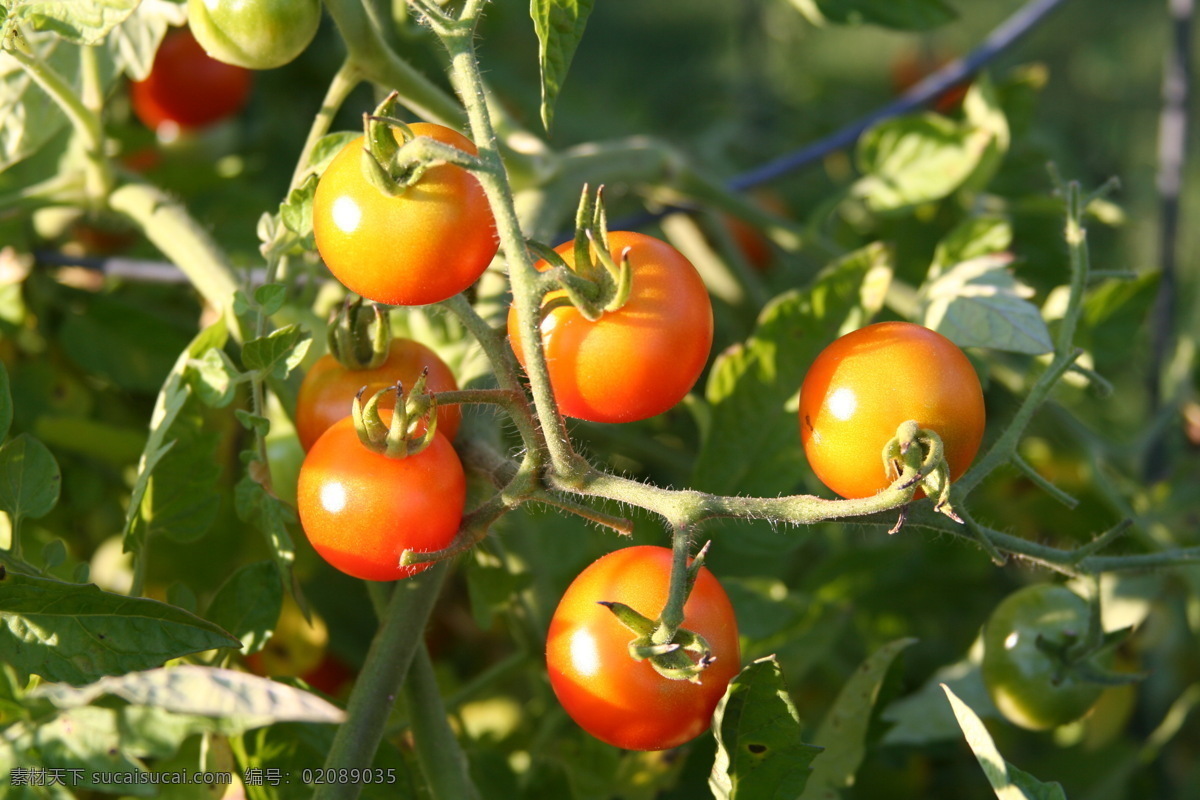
(559, 25)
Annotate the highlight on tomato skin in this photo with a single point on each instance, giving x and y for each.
(187, 87)
(635, 362)
(611, 696)
(862, 386)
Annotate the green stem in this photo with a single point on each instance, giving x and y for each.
(369, 53)
(493, 342)
(345, 80)
(442, 760)
(1058, 494)
(388, 660)
(172, 230)
(671, 618)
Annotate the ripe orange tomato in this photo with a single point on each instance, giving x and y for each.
(426, 244)
(619, 700)
(328, 390)
(639, 360)
(187, 87)
(361, 510)
(863, 385)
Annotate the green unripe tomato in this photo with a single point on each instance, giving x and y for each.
(1019, 676)
(256, 34)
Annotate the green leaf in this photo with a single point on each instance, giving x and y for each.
(979, 303)
(270, 297)
(972, 238)
(203, 691)
(759, 750)
(29, 478)
(73, 633)
(915, 159)
(989, 129)
(492, 586)
(214, 378)
(134, 43)
(6, 404)
(843, 732)
(271, 516)
(79, 739)
(179, 502)
(559, 25)
(750, 385)
(296, 211)
(923, 716)
(80, 23)
(277, 353)
(327, 148)
(247, 604)
(994, 766)
(899, 14)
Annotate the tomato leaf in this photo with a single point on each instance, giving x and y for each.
(271, 516)
(750, 385)
(79, 23)
(247, 604)
(6, 403)
(843, 732)
(134, 43)
(203, 691)
(277, 353)
(559, 25)
(899, 14)
(759, 750)
(923, 716)
(979, 303)
(80, 739)
(970, 239)
(296, 211)
(29, 478)
(73, 633)
(1007, 781)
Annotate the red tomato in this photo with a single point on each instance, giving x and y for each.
(639, 360)
(328, 390)
(862, 386)
(187, 87)
(361, 510)
(427, 244)
(619, 700)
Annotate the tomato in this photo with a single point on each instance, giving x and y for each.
(257, 35)
(427, 244)
(1021, 678)
(614, 698)
(863, 385)
(753, 243)
(639, 360)
(329, 388)
(187, 87)
(361, 510)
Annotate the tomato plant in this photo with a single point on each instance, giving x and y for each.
(422, 246)
(1029, 686)
(187, 87)
(329, 388)
(361, 509)
(639, 360)
(259, 35)
(866, 383)
(619, 700)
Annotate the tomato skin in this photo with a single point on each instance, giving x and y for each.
(863, 385)
(427, 244)
(329, 388)
(614, 698)
(187, 87)
(1019, 676)
(256, 35)
(361, 510)
(640, 360)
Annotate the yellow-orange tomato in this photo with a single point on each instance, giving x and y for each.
(361, 509)
(865, 384)
(639, 360)
(422, 246)
(619, 700)
(328, 390)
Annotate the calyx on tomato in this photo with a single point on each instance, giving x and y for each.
(411, 425)
(387, 165)
(358, 338)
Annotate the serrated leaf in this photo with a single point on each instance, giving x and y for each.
(73, 633)
(134, 43)
(203, 691)
(271, 516)
(79, 739)
(296, 211)
(214, 378)
(270, 297)
(978, 303)
(750, 384)
(970, 239)
(79, 23)
(915, 159)
(759, 750)
(898, 14)
(179, 502)
(327, 148)
(247, 604)
(277, 353)
(29, 478)
(6, 404)
(559, 25)
(843, 732)
(993, 764)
